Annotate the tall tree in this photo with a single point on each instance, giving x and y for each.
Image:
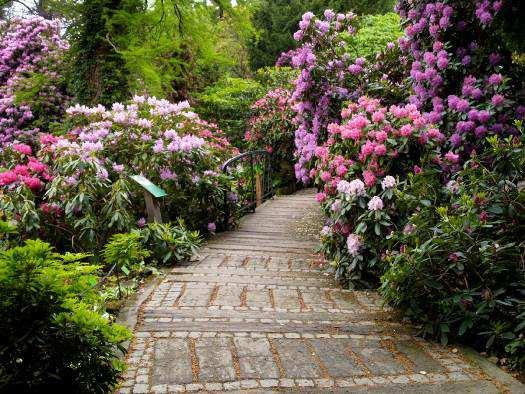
(99, 72)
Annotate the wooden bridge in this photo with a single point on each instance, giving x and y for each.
(255, 313)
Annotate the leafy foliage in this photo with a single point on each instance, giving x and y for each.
(276, 77)
(99, 75)
(375, 32)
(170, 243)
(228, 104)
(124, 251)
(459, 272)
(173, 48)
(54, 336)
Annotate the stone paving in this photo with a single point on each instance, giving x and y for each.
(254, 313)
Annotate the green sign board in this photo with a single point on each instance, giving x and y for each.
(149, 186)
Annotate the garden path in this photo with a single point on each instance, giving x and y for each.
(254, 313)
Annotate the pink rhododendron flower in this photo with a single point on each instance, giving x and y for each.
(36, 166)
(378, 117)
(353, 244)
(341, 170)
(380, 150)
(118, 168)
(22, 148)
(320, 197)
(21, 170)
(369, 178)
(381, 136)
(406, 130)
(495, 79)
(325, 176)
(452, 157)
(497, 100)
(7, 178)
(32, 182)
(47, 139)
(388, 182)
(375, 204)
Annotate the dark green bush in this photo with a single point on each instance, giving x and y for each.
(54, 337)
(460, 272)
(227, 103)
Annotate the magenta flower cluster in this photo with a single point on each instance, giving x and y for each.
(28, 170)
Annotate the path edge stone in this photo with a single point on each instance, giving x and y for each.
(128, 315)
(493, 371)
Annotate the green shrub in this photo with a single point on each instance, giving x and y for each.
(459, 272)
(170, 242)
(54, 337)
(375, 32)
(276, 77)
(227, 103)
(125, 251)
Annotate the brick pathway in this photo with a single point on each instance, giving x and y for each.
(254, 314)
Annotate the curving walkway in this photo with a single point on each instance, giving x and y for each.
(254, 313)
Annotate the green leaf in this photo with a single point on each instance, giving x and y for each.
(361, 228)
(465, 325)
(496, 209)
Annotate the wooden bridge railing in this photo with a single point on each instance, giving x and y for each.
(252, 173)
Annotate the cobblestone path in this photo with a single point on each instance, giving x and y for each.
(253, 313)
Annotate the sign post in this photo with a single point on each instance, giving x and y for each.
(152, 194)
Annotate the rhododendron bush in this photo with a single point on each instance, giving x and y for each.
(462, 73)
(462, 87)
(89, 194)
(458, 267)
(271, 127)
(32, 93)
(330, 73)
(357, 169)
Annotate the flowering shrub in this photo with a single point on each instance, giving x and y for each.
(331, 73)
(23, 178)
(457, 268)
(271, 127)
(319, 88)
(461, 69)
(356, 170)
(90, 195)
(398, 200)
(32, 91)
